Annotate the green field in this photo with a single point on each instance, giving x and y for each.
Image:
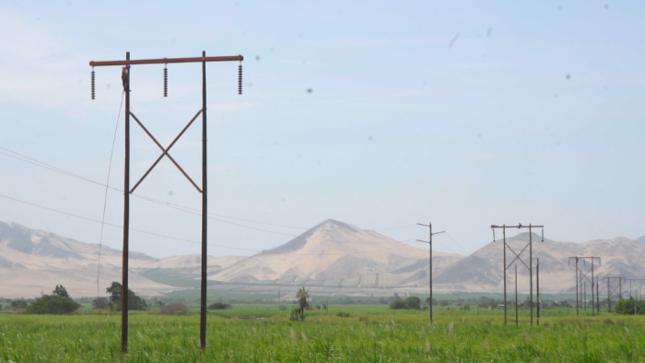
(259, 333)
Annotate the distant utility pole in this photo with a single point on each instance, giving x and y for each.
(584, 274)
(429, 242)
(517, 257)
(517, 316)
(537, 273)
(632, 294)
(610, 289)
(125, 77)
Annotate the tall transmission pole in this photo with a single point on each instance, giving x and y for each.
(615, 289)
(429, 242)
(582, 277)
(518, 258)
(125, 77)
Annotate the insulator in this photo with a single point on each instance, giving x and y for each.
(165, 82)
(239, 80)
(93, 84)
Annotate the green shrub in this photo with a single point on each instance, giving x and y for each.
(220, 306)
(411, 302)
(52, 304)
(297, 315)
(626, 307)
(342, 315)
(174, 308)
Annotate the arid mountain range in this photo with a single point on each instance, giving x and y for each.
(332, 255)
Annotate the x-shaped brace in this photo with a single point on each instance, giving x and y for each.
(165, 151)
(517, 256)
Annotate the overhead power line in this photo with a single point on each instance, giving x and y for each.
(41, 164)
(185, 209)
(117, 226)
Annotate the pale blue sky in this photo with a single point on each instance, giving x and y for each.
(534, 115)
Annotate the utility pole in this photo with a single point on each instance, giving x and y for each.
(125, 76)
(598, 295)
(582, 276)
(429, 242)
(537, 273)
(517, 257)
(634, 295)
(614, 289)
(517, 317)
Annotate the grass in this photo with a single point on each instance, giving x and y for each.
(369, 334)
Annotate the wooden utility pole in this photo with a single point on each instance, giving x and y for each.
(125, 76)
(518, 258)
(610, 289)
(582, 277)
(429, 242)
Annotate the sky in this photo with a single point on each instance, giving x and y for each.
(378, 114)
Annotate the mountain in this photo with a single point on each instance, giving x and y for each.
(640, 239)
(483, 270)
(334, 253)
(32, 261)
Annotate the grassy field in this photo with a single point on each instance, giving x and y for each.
(259, 333)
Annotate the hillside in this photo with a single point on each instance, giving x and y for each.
(32, 261)
(334, 253)
(483, 271)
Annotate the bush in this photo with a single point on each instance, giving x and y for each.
(297, 315)
(134, 301)
(397, 304)
(219, 306)
(443, 303)
(411, 302)
(100, 303)
(466, 307)
(18, 304)
(52, 304)
(174, 308)
(626, 307)
(342, 315)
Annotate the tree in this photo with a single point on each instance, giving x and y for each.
(61, 291)
(302, 296)
(398, 304)
(52, 304)
(101, 303)
(413, 302)
(626, 307)
(134, 301)
(18, 304)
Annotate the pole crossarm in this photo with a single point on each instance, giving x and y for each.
(232, 58)
(518, 226)
(164, 152)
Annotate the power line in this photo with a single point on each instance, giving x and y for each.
(455, 242)
(117, 226)
(166, 204)
(98, 264)
(38, 163)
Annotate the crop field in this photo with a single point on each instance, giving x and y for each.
(259, 333)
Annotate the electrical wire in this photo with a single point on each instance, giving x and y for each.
(98, 264)
(41, 164)
(117, 226)
(455, 242)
